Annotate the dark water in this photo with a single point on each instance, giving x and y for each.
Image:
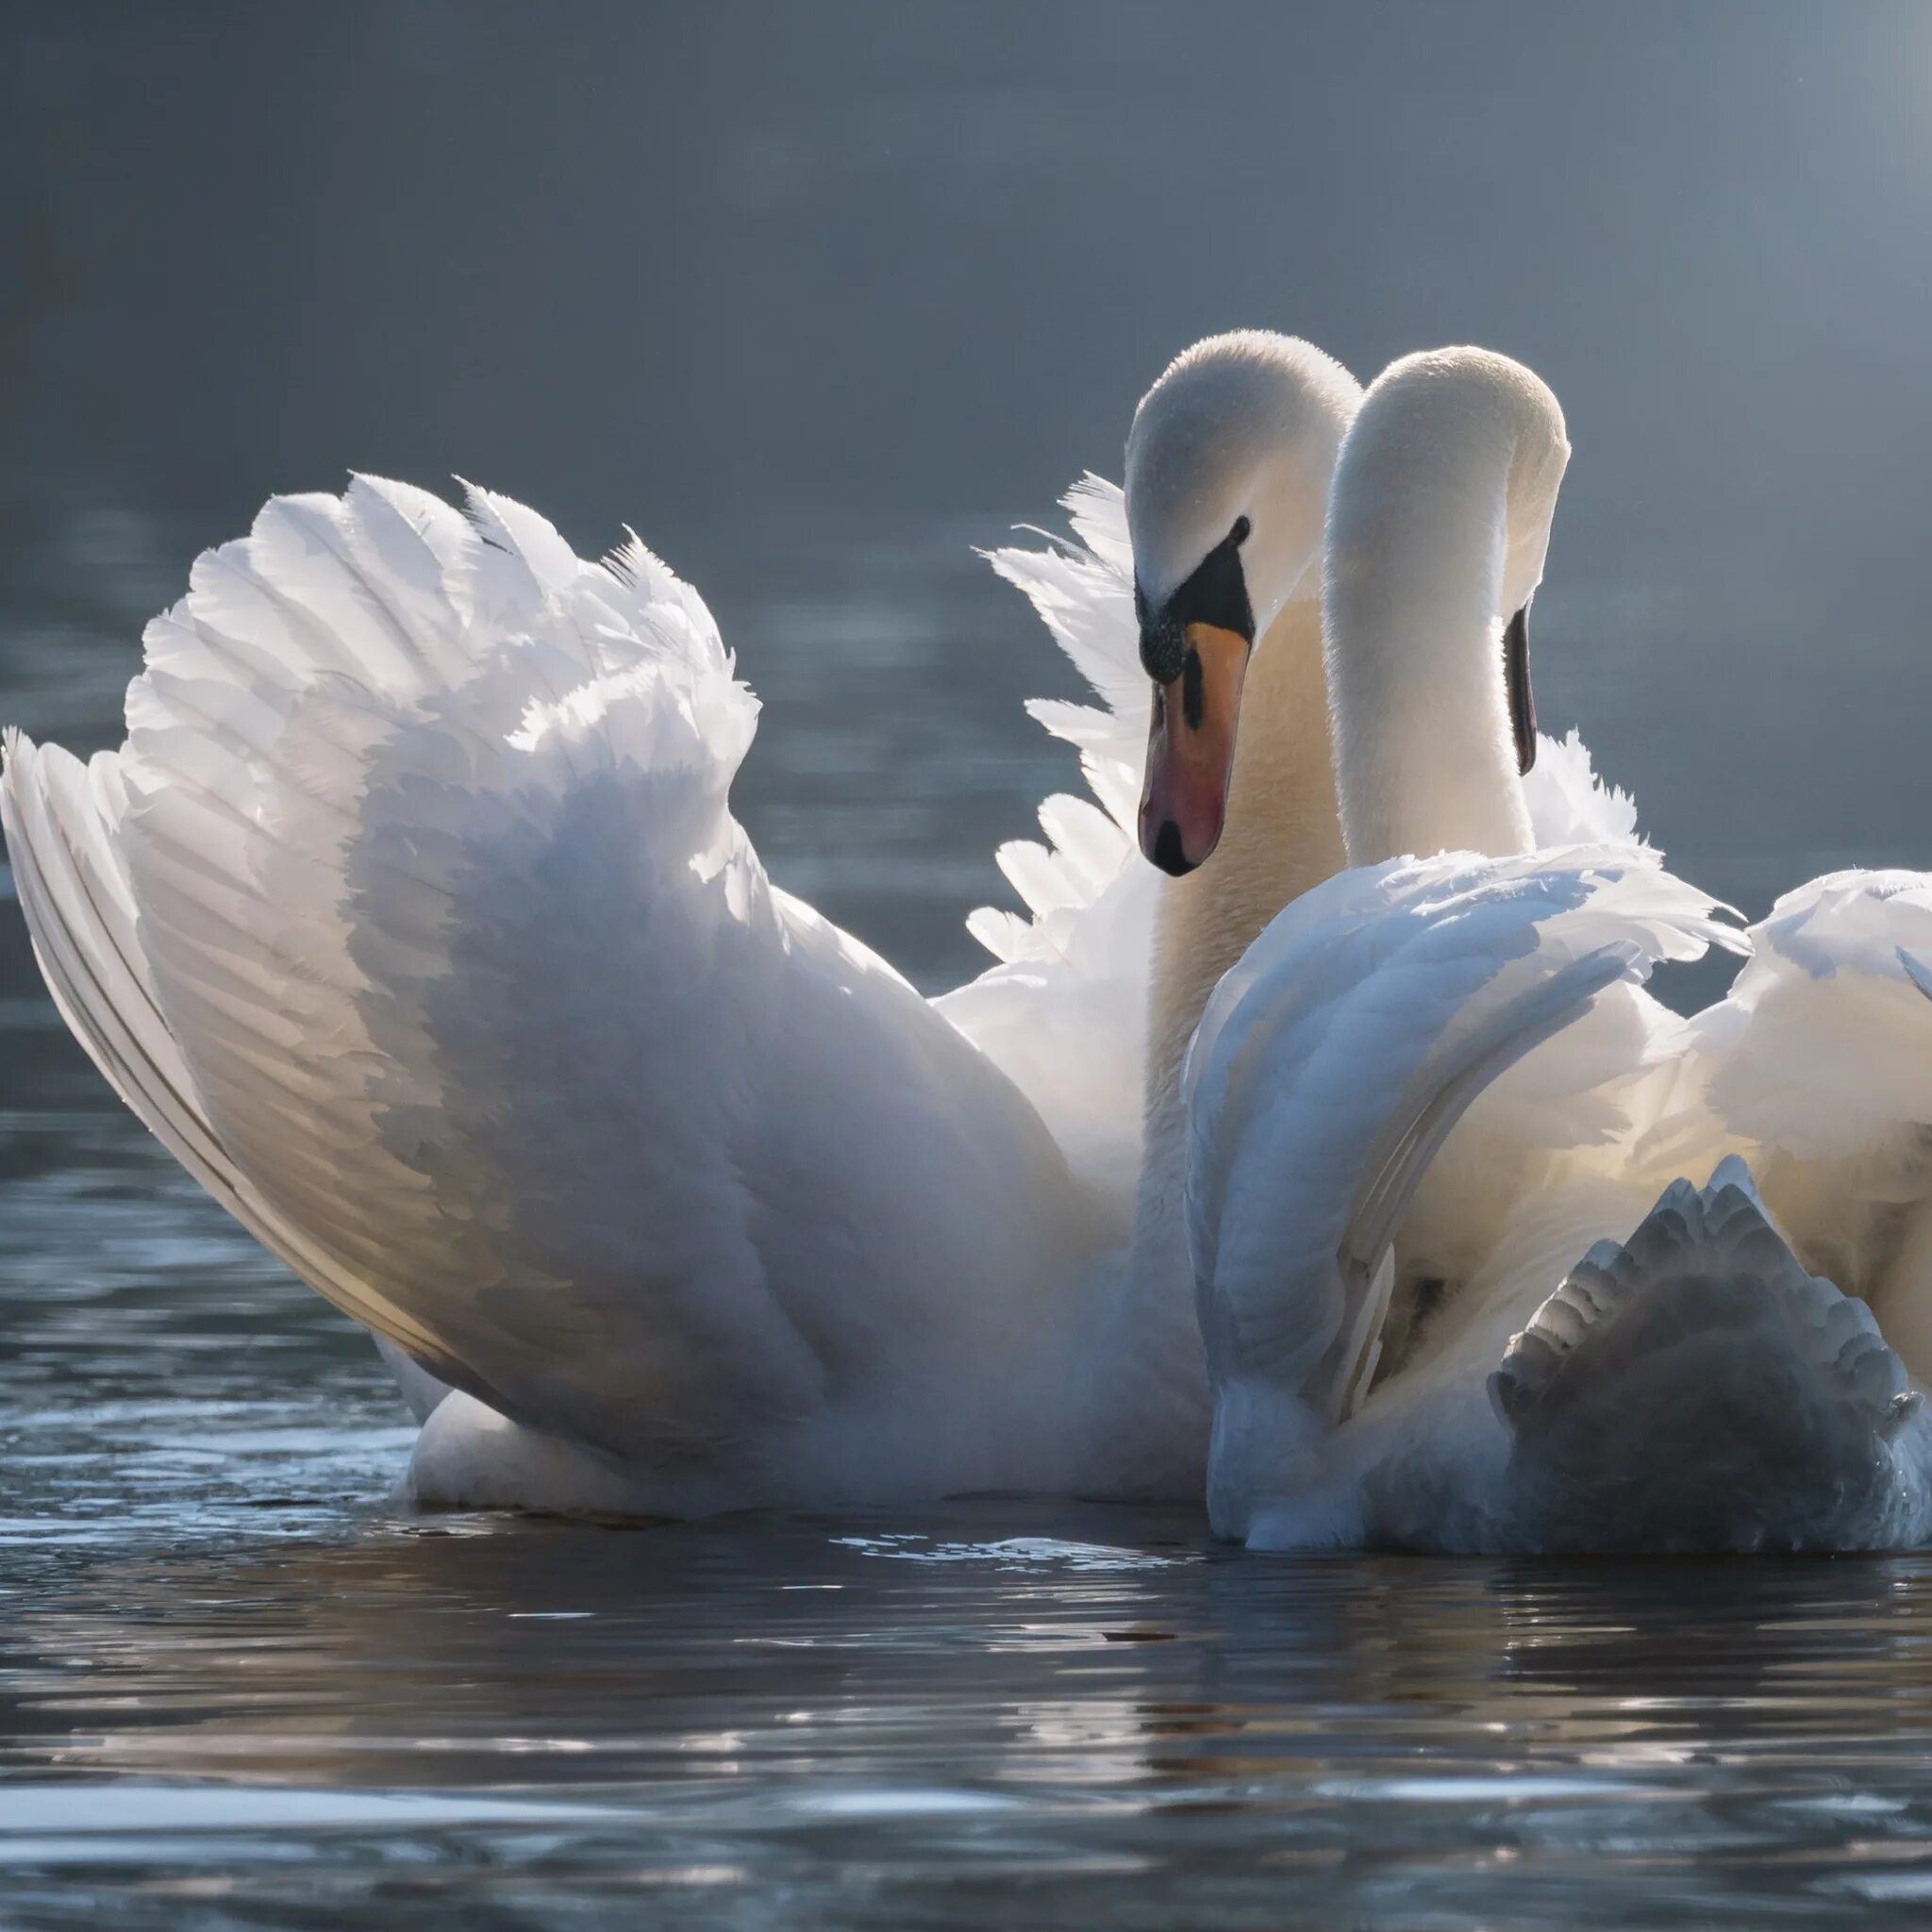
(818, 298)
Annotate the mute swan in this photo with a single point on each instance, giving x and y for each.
(412, 918)
(1606, 1368)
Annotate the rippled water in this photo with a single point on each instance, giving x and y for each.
(237, 1689)
(995, 1715)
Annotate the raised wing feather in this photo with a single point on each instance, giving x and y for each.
(413, 917)
(1064, 1011)
(63, 822)
(1820, 1064)
(1570, 804)
(1334, 1058)
(1829, 1052)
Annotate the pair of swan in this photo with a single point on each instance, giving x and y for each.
(412, 918)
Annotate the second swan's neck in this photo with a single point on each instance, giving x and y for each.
(1425, 759)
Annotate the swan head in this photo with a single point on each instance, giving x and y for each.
(1439, 529)
(1472, 420)
(1228, 472)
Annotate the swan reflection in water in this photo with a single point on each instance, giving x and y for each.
(1065, 1693)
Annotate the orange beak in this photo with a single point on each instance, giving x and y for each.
(1190, 750)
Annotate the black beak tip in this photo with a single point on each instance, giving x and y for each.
(1167, 853)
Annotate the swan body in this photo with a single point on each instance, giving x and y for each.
(413, 919)
(1493, 1252)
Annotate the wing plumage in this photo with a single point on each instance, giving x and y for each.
(1830, 1052)
(1570, 804)
(1064, 1011)
(1336, 1058)
(1819, 1064)
(413, 918)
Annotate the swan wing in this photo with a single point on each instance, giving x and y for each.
(1334, 1059)
(62, 821)
(1064, 1011)
(1826, 1049)
(1820, 1062)
(413, 918)
(1569, 803)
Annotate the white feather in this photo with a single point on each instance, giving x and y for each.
(1064, 1011)
(413, 918)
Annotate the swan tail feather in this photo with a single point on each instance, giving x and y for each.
(1693, 1388)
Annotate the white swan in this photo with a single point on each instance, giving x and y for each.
(1571, 1361)
(412, 918)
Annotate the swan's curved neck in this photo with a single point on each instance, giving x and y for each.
(1282, 837)
(1424, 756)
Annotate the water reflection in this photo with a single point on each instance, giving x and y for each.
(730, 1708)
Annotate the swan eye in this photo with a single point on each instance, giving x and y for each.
(1217, 593)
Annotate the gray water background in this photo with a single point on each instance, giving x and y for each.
(819, 297)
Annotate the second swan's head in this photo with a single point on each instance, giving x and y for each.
(1227, 473)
